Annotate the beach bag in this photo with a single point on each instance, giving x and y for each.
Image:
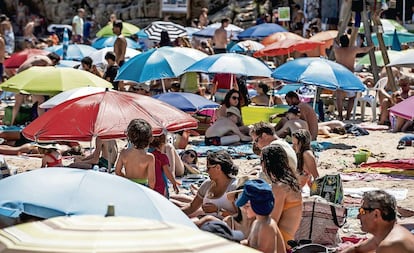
(328, 187)
(320, 221)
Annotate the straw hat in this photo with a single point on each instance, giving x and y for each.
(234, 110)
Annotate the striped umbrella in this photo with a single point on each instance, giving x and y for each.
(65, 43)
(111, 234)
(155, 28)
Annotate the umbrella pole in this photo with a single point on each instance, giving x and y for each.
(163, 86)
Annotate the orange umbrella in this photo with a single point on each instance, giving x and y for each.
(280, 36)
(325, 36)
(288, 46)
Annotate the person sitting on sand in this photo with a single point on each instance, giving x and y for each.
(378, 216)
(104, 155)
(189, 159)
(138, 164)
(224, 131)
(294, 123)
(52, 157)
(333, 126)
(261, 99)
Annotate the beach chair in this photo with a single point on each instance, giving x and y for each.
(369, 98)
(255, 114)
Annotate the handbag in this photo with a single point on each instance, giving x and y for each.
(328, 187)
(320, 221)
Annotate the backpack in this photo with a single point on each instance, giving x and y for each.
(328, 187)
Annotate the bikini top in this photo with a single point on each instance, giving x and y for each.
(55, 162)
(221, 202)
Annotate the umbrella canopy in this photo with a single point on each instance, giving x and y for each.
(325, 35)
(58, 191)
(53, 27)
(319, 72)
(392, 55)
(210, 29)
(70, 94)
(174, 30)
(279, 37)
(111, 234)
(98, 57)
(106, 115)
(154, 64)
(404, 109)
(287, 46)
(187, 102)
(17, 59)
(51, 80)
(246, 46)
(231, 63)
(68, 64)
(110, 41)
(74, 51)
(260, 31)
(403, 37)
(127, 30)
(388, 25)
(405, 60)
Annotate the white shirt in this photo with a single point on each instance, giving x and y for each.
(79, 25)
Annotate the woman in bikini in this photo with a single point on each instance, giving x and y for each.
(287, 210)
(52, 157)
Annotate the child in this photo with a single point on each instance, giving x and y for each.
(258, 201)
(51, 155)
(162, 171)
(138, 163)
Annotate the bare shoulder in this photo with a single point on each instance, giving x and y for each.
(398, 240)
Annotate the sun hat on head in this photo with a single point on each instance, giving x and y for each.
(294, 109)
(260, 195)
(234, 110)
(222, 229)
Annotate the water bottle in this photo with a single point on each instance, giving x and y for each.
(95, 167)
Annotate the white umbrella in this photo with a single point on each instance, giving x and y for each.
(70, 94)
(98, 57)
(174, 30)
(405, 60)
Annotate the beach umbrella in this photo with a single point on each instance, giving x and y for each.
(17, 59)
(288, 46)
(91, 233)
(325, 36)
(404, 109)
(232, 63)
(392, 55)
(70, 94)
(59, 191)
(388, 25)
(127, 30)
(106, 115)
(53, 27)
(65, 44)
(208, 31)
(403, 37)
(319, 72)
(260, 31)
(405, 60)
(187, 102)
(160, 63)
(74, 51)
(98, 57)
(103, 42)
(246, 46)
(68, 64)
(51, 80)
(190, 30)
(275, 37)
(174, 30)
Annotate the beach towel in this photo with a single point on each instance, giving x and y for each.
(398, 193)
(406, 164)
(383, 170)
(236, 151)
(355, 130)
(372, 126)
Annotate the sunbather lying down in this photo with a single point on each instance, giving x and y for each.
(224, 131)
(333, 126)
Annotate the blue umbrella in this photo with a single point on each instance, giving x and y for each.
(260, 31)
(246, 46)
(51, 192)
(65, 43)
(187, 102)
(231, 63)
(319, 72)
(403, 37)
(74, 51)
(103, 42)
(154, 64)
(68, 64)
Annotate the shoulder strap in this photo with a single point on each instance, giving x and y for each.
(335, 218)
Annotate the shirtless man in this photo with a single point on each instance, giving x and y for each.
(220, 39)
(378, 215)
(345, 55)
(294, 123)
(120, 44)
(104, 155)
(226, 129)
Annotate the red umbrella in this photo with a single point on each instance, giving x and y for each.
(288, 46)
(18, 58)
(105, 115)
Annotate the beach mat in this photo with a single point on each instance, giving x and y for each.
(373, 126)
(236, 151)
(255, 114)
(382, 170)
(406, 164)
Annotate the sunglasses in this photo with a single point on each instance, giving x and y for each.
(191, 154)
(365, 210)
(211, 166)
(257, 139)
(233, 97)
(137, 89)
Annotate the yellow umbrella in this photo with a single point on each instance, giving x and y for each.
(127, 30)
(111, 234)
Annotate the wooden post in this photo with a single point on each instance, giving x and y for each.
(367, 30)
(344, 17)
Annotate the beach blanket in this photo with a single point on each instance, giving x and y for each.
(398, 193)
(383, 170)
(236, 151)
(406, 164)
(356, 176)
(373, 126)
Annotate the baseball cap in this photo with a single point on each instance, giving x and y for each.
(294, 109)
(222, 229)
(234, 110)
(260, 195)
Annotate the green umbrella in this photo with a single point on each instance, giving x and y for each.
(127, 30)
(378, 56)
(51, 81)
(388, 25)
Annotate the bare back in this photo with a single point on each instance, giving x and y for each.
(266, 237)
(398, 240)
(2, 50)
(309, 115)
(220, 38)
(110, 150)
(120, 46)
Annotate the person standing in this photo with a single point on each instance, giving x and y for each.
(6, 29)
(120, 44)
(77, 26)
(220, 38)
(111, 69)
(203, 19)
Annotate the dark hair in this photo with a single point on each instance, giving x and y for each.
(262, 128)
(276, 166)
(139, 133)
(157, 141)
(264, 87)
(226, 100)
(54, 57)
(165, 39)
(292, 94)
(190, 151)
(110, 55)
(87, 61)
(117, 23)
(225, 20)
(304, 139)
(223, 158)
(344, 40)
(383, 201)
